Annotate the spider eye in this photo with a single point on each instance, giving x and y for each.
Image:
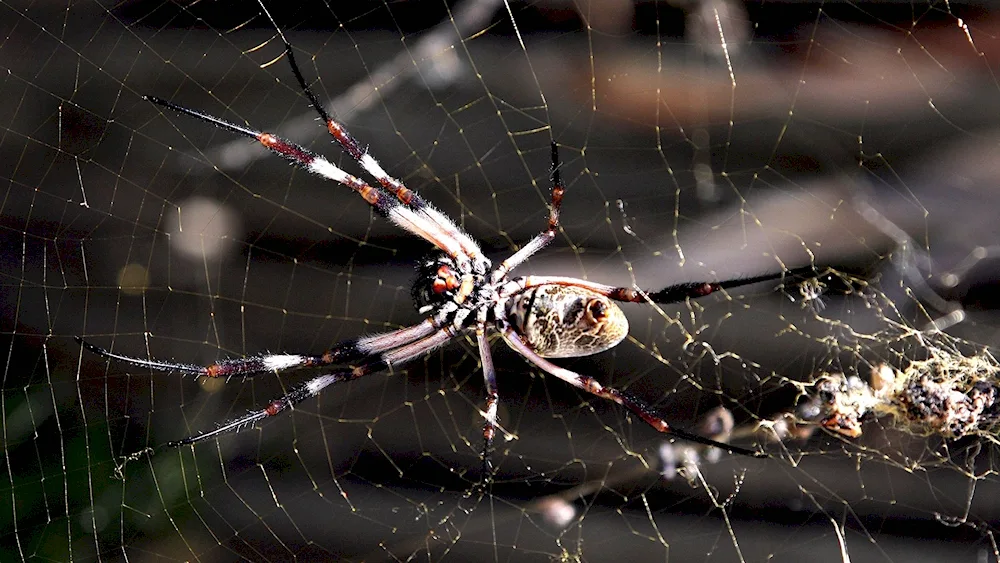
(440, 286)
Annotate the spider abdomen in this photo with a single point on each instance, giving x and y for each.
(560, 321)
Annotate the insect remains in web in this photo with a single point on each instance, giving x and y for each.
(459, 291)
(811, 292)
(946, 394)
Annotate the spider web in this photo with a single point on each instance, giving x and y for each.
(703, 142)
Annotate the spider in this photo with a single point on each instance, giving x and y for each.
(458, 290)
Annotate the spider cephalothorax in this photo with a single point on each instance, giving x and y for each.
(458, 291)
(441, 280)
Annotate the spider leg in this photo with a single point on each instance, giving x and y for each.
(670, 294)
(296, 395)
(542, 239)
(312, 387)
(469, 249)
(492, 398)
(647, 413)
(418, 223)
(345, 351)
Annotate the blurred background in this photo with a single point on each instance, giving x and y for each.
(699, 141)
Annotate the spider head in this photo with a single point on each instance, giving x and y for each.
(440, 280)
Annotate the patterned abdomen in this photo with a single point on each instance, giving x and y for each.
(560, 321)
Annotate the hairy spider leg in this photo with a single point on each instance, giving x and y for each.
(470, 253)
(345, 351)
(492, 398)
(297, 394)
(670, 294)
(536, 244)
(312, 387)
(542, 239)
(400, 214)
(647, 413)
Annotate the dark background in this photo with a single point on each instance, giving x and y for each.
(837, 108)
